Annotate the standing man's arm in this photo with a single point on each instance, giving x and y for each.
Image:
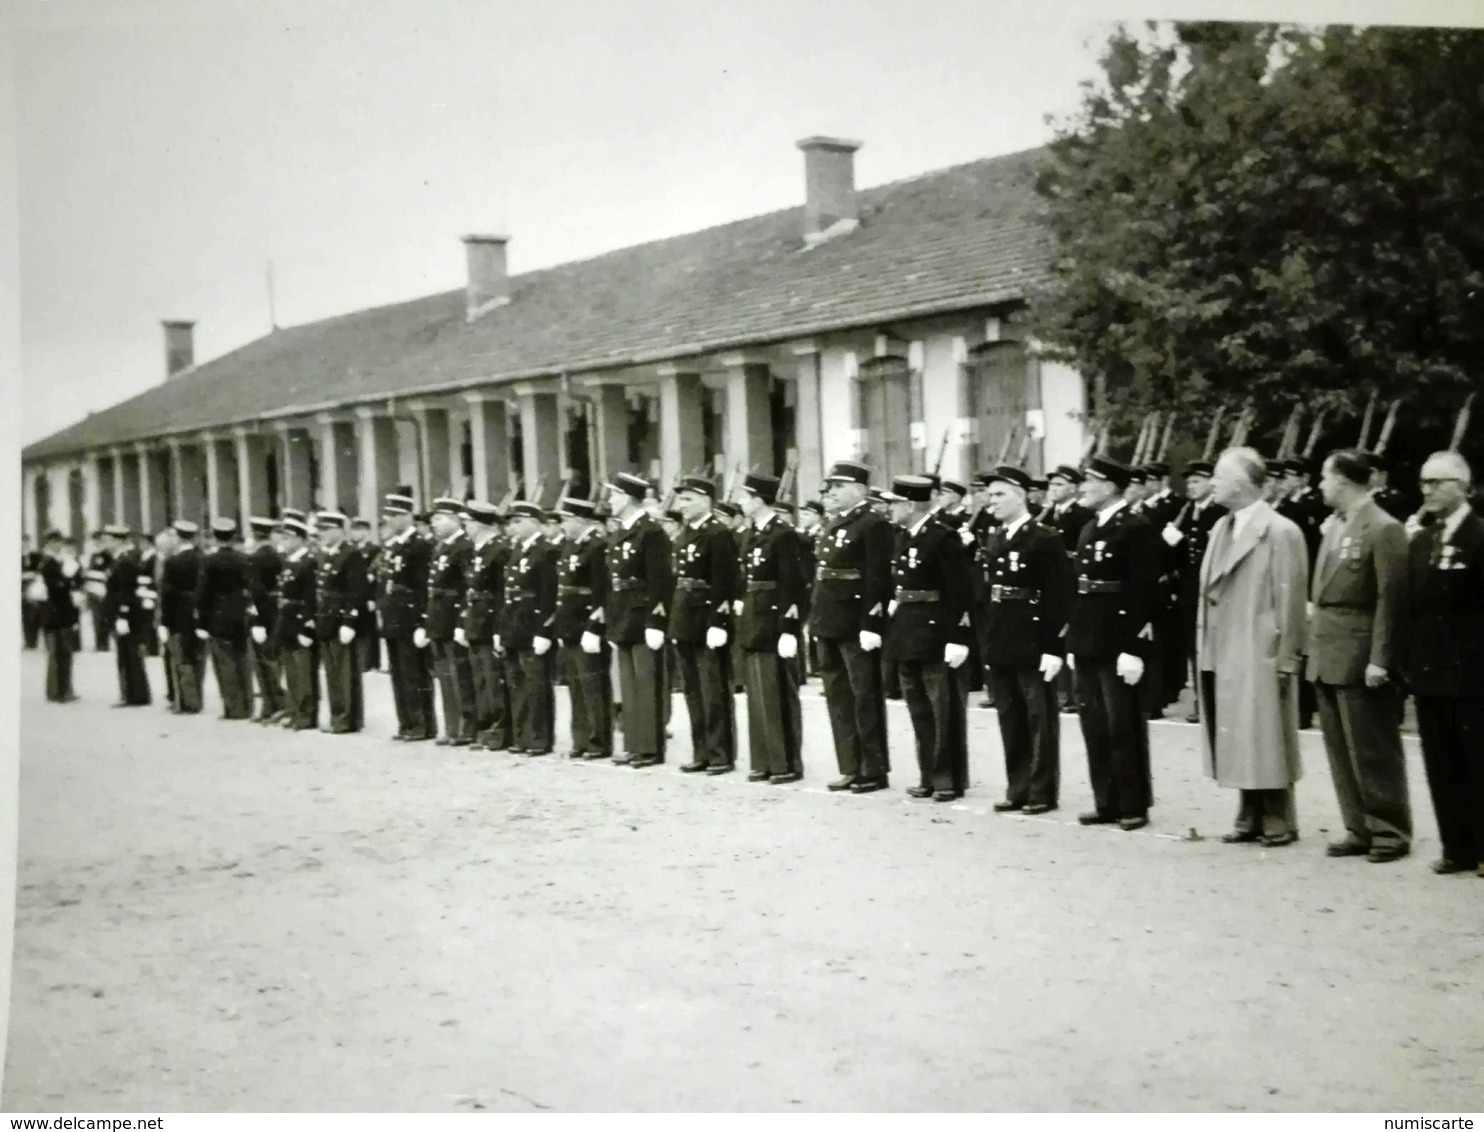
(1389, 556)
(1290, 580)
(659, 579)
(876, 582)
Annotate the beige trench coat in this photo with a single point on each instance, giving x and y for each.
(1250, 627)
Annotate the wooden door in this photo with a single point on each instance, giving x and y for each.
(999, 390)
(886, 418)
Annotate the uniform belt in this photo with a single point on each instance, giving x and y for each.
(479, 595)
(399, 588)
(1012, 593)
(1089, 586)
(568, 591)
(621, 584)
(442, 591)
(909, 597)
(758, 587)
(1344, 605)
(692, 584)
(830, 574)
(520, 595)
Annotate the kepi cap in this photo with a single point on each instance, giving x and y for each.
(1066, 472)
(913, 489)
(1111, 471)
(1008, 473)
(578, 508)
(764, 487)
(697, 485)
(636, 487)
(848, 471)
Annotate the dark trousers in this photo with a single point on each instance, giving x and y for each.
(532, 699)
(59, 652)
(1116, 734)
(774, 720)
(133, 679)
(233, 677)
(456, 688)
(343, 685)
(412, 688)
(102, 628)
(368, 649)
(31, 623)
(1270, 812)
(1030, 732)
(588, 689)
(270, 678)
(1173, 667)
(935, 701)
(709, 702)
(1452, 733)
(301, 686)
(1362, 738)
(852, 691)
(184, 656)
(161, 649)
(491, 696)
(644, 686)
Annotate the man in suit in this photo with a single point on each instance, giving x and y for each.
(1250, 635)
(293, 629)
(526, 636)
(928, 612)
(401, 602)
(480, 624)
(769, 610)
(1442, 657)
(340, 602)
(636, 617)
(582, 590)
(1025, 590)
(57, 591)
(223, 607)
(1358, 592)
(706, 578)
(1187, 536)
(448, 585)
(848, 617)
(264, 563)
(184, 653)
(1065, 514)
(1109, 636)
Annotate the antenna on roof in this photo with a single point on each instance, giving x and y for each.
(272, 316)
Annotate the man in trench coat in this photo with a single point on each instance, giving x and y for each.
(1249, 639)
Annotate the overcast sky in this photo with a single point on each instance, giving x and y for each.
(168, 150)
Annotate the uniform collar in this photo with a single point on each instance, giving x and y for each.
(1016, 525)
(628, 524)
(1108, 513)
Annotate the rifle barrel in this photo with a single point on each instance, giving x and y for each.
(1461, 425)
(1214, 434)
(1365, 423)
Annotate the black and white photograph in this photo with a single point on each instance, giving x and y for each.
(770, 557)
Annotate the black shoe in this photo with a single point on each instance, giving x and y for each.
(1128, 825)
(1350, 846)
(946, 796)
(843, 783)
(1380, 854)
(1278, 840)
(461, 742)
(1443, 866)
(1038, 807)
(1008, 807)
(868, 785)
(537, 754)
(1240, 837)
(443, 742)
(758, 776)
(986, 702)
(789, 776)
(1095, 818)
(595, 755)
(724, 768)
(692, 767)
(1193, 717)
(641, 761)
(516, 750)
(919, 792)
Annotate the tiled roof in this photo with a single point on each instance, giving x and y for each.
(950, 240)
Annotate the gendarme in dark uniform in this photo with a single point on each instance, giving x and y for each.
(95, 577)
(368, 639)
(264, 564)
(852, 587)
(1109, 634)
(401, 601)
(700, 625)
(775, 585)
(1188, 535)
(340, 601)
(448, 584)
(130, 621)
(57, 590)
(932, 593)
(223, 605)
(637, 613)
(582, 590)
(184, 652)
(1025, 584)
(483, 607)
(293, 631)
(526, 634)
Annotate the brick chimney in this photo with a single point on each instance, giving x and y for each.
(489, 277)
(180, 346)
(829, 186)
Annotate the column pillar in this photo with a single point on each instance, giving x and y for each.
(541, 428)
(250, 460)
(126, 489)
(377, 458)
(96, 498)
(682, 427)
(151, 491)
(229, 492)
(432, 444)
(295, 488)
(809, 421)
(337, 462)
(489, 433)
(610, 442)
(213, 476)
(187, 468)
(749, 415)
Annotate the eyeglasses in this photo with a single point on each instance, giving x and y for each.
(1429, 483)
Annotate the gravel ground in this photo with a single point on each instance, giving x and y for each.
(218, 917)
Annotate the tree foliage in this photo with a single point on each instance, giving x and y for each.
(1265, 213)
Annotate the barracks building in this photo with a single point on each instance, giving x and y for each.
(880, 324)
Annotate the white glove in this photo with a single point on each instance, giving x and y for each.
(370, 607)
(1050, 667)
(259, 635)
(347, 634)
(1171, 534)
(870, 642)
(202, 634)
(737, 608)
(541, 645)
(148, 603)
(420, 638)
(654, 638)
(460, 637)
(788, 646)
(305, 642)
(1130, 668)
(1071, 663)
(36, 591)
(954, 655)
(498, 644)
(891, 608)
(79, 599)
(121, 628)
(592, 644)
(69, 568)
(164, 634)
(716, 638)
(967, 536)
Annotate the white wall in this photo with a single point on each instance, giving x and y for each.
(837, 406)
(1064, 401)
(940, 405)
